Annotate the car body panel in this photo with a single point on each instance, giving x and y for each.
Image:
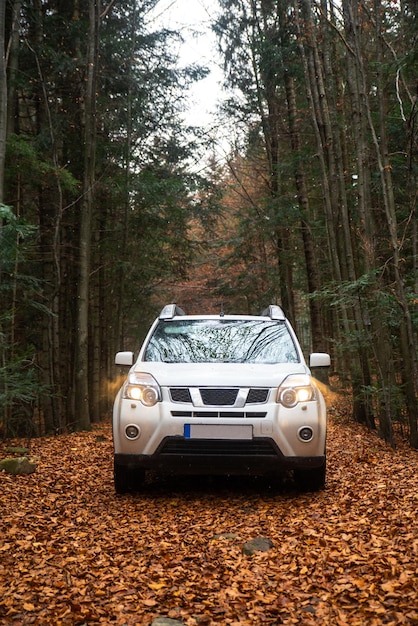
(220, 374)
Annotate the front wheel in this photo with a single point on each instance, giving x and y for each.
(127, 479)
(310, 479)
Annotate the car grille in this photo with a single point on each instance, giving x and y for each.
(257, 396)
(218, 397)
(218, 447)
(180, 394)
(212, 396)
(206, 414)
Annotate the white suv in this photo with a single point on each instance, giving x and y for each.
(213, 394)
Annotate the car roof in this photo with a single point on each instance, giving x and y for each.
(172, 311)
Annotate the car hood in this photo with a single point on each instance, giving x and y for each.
(219, 374)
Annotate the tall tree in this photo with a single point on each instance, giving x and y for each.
(82, 406)
(3, 97)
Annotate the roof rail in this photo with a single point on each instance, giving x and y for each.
(275, 312)
(170, 311)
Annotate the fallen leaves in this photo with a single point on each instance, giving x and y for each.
(73, 553)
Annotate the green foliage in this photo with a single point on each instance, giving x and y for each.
(13, 232)
(19, 385)
(26, 159)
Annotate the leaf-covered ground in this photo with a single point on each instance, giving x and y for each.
(74, 553)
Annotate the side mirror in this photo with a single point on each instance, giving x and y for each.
(319, 359)
(124, 358)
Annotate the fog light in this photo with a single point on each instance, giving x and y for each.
(305, 433)
(132, 431)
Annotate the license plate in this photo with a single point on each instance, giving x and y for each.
(218, 431)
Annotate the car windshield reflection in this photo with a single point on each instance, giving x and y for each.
(221, 341)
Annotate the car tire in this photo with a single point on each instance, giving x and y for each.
(127, 479)
(312, 479)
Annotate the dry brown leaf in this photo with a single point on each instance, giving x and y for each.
(72, 552)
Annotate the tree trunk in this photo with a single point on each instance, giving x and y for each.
(3, 119)
(270, 115)
(13, 66)
(408, 347)
(312, 273)
(83, 420)
(3, 97)
(315, 94)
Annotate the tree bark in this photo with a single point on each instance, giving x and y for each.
(3, 97)
(82, 405)
(312, 273)
(408, 347)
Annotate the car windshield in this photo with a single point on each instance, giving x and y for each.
(221, 341)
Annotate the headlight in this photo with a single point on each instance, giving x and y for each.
(296, 389)
(142, 387)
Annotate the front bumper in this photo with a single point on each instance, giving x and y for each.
(260, 455)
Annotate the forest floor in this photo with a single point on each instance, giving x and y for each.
(73, 553)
